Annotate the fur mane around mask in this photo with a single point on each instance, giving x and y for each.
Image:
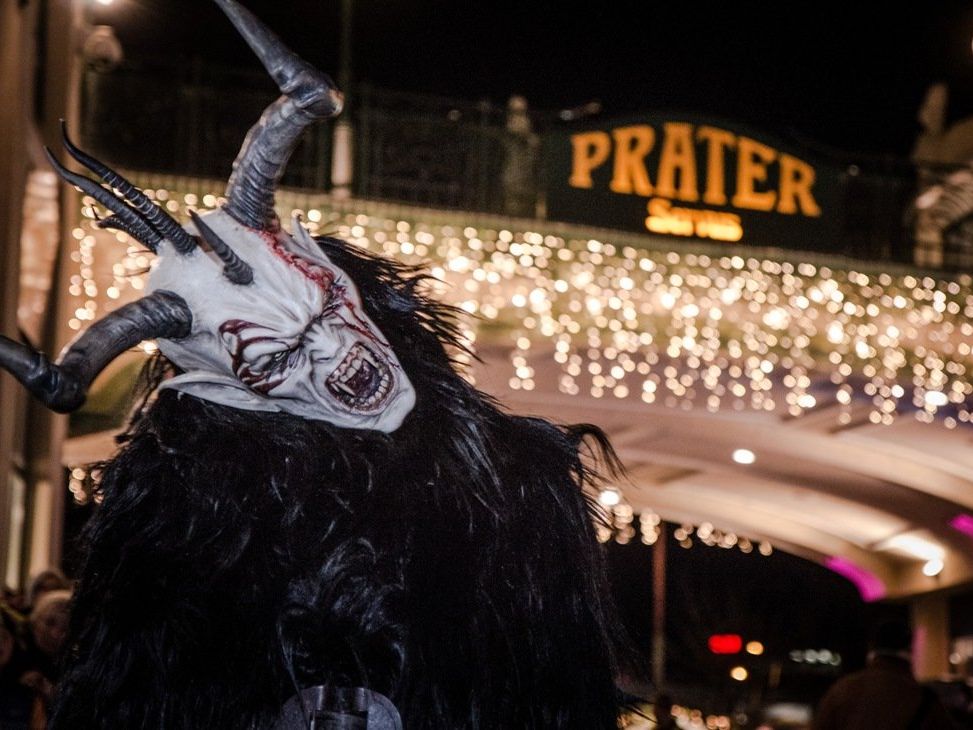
(451, 565)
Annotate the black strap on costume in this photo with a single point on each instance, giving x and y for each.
(920, 714)
(338, 708)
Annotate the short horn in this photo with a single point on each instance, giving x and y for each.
(308, 96)
(235, 269)
(63, 386)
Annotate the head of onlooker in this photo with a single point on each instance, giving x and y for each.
(885, 694)
(46, 637)
(49, 621)
(44, 582)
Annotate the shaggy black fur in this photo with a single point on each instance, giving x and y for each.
(451, 565)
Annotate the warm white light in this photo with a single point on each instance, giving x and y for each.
(105, 2)
(755, 648)
(744, 456)
(914, 546)
(609, 497)
(933, 568)
(739, 674)
(936, 398)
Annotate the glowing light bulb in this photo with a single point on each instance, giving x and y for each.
(739, 674)
(744, 456)
(609, 497)
(933, 568)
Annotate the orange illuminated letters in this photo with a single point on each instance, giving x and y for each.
(763, 178)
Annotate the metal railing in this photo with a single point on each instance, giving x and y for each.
(446, 153)
(420, 149)
(430, 151)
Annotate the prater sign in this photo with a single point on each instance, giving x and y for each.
(693, 178)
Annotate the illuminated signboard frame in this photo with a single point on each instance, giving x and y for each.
(694, 178)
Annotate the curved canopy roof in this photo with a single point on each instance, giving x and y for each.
(876, 503)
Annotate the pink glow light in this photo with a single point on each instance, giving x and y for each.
(963, 523)
(870, 586)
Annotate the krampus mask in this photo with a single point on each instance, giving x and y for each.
(257, 318)
(313, 520)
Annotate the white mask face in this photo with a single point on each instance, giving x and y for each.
(296, 340)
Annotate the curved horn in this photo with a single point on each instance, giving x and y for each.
(63, 386)
(308, 96)
(235, 269)
(113, 222)
(135, 223)
(153, 213)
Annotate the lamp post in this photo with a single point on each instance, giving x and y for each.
(342, 154)
(659, 608)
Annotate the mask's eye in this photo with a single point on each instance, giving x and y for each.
(271, 361)
(260, 356)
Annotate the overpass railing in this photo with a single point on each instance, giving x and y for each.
(460, 154)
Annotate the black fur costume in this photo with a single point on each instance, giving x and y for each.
(451, 565)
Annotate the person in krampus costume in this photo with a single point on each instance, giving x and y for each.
(311, 509)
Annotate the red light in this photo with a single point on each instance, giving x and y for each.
(725, 643)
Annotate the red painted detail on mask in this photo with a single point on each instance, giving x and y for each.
(320, 275)
(326, 279)
(357, 323)
(255, 380)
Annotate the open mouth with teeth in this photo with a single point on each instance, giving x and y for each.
(362, 381)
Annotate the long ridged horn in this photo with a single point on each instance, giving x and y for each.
(134, 223)
(308, 96)
(63, 386)
(235, 269)
(114, 223)
(153, 214)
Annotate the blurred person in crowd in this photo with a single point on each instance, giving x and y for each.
(884, 694)
(48, 620)
(16, 699)
(48, 580)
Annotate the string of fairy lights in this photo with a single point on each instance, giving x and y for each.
(688, 718)
(632, 318)
(623, 525)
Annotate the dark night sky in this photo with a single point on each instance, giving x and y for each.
(848, 75)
